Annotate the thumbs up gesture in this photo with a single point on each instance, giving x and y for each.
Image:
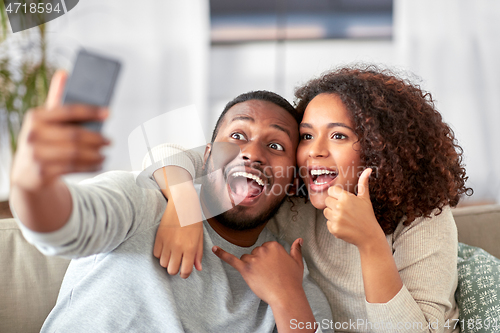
(351, 217)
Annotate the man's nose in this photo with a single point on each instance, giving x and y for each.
(254, 152)
(318, 148)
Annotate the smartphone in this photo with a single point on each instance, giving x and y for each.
(92, 82)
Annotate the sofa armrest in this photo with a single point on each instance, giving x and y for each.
(29, 281)
(479, 226)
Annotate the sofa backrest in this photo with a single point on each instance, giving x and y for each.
(479, 226)
(29, 281)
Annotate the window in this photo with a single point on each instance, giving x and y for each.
(244, 20)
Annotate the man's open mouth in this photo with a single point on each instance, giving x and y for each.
(322, 176)
(245, 185)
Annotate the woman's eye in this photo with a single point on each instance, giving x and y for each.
(307, 137)
(339, 136)
(237, 136)
(276, 146)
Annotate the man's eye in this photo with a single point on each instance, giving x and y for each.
(237, 136)
(306, 137)
(339, 136)
(276, 146)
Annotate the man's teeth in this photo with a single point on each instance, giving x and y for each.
(257, 179)
(318, 172)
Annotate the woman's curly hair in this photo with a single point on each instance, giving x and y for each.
(416, 159)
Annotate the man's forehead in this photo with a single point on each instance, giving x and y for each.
(254, 110)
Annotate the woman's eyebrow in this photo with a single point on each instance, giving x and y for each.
(329, 125)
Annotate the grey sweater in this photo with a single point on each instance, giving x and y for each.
(114, 284)
(425, 254)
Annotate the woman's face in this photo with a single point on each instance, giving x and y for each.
(328, 152)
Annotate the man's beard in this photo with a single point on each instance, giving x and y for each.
(236, 218)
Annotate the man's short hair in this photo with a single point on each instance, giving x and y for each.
(261, 95)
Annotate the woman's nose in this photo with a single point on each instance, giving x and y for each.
(318, 148)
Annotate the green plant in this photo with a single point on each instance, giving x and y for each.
(24, 79)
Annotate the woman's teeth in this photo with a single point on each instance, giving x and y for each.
(325, 175)
(318, 172)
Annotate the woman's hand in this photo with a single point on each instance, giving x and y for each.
(178, 247)
(350, 217)
(179, 238)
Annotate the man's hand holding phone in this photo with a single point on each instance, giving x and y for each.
(61, 137)
(52, 141)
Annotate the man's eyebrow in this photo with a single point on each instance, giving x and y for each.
(330, 125)
(245, 118)
(278, 127)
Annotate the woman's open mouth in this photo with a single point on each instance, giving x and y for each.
(245, 187)
(320, 179)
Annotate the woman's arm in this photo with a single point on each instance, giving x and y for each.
(179, 238)
(411, 284)
(351, 218)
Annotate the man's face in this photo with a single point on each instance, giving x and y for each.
(248, 189)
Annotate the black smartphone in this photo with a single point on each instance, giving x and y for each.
(92, 82)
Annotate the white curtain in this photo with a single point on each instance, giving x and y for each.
(164, 46)
(454, 46)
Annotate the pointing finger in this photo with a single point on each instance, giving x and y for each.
(229, 258)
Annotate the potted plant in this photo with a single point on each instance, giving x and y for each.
(25, 74)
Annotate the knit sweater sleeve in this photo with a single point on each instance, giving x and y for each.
(425, 253)
(170, 154)
(106, 211)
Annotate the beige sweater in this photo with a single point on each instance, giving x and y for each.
(426, 257)
(425, 253)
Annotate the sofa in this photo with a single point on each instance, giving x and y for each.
(30, 281)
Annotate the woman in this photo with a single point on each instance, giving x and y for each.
(382, 250)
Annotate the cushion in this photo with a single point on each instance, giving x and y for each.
(478, 292)
(29, 281)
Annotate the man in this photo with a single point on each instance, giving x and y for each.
(109, 224)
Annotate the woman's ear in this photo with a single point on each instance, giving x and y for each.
(206, 155)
